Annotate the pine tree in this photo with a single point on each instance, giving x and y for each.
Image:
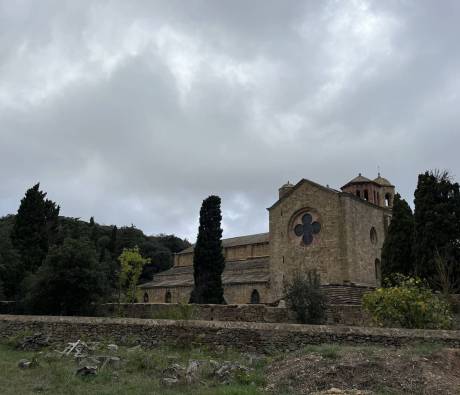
(35, 227)
(437, 224)
(208, 260)
(398, 248)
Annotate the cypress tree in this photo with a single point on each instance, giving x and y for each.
(398, 248)
(437, 223)
(93, 231)
(35, 227)
(208, 260)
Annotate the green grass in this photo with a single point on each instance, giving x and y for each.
(140, 373)
(423, 349)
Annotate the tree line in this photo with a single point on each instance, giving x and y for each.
(53, 264)
(426, 243)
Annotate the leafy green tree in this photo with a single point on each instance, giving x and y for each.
(172, 243)
(69, 282)
(160, 258)
(398, 248)
(131, 264)
(304, 296)
(35, 227)
(408, 303)
(208, 260)
(128, 237)
(437, 224)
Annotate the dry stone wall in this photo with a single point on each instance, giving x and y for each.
(261, 337)
(336, 314)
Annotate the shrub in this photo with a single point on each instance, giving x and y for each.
(303, 296)
(408, 303)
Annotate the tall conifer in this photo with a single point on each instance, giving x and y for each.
(437, 223)
(35, 227)
(398, 248)
(208, 259)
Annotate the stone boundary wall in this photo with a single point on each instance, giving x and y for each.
(336, 314)
(261, 337)
(204, 312)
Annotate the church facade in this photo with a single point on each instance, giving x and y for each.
(339, 234)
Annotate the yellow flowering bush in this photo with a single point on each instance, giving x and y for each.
(408, 303)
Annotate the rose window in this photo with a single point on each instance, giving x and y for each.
(307, 229)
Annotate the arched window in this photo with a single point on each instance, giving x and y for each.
(168, 297)
(388, 201)
(378, 272)
(146, 297)
(373, 236)
(366, 195)
(255, 297)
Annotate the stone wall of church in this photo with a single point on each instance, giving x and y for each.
(158, 295)
(233, 293)
(183, 259)
(325, 254)
(361, 248)
(236, 253)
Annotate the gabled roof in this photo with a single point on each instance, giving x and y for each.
(238, 272)
(299, 184)
(236, 241)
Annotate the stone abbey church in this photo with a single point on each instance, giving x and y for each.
(338, 233)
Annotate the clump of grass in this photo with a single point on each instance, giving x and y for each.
(329, 351)
(15, 339)
(424, 349)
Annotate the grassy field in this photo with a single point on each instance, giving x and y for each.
(422, 369)
(140, 373)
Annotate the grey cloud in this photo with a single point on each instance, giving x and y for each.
(134, 112)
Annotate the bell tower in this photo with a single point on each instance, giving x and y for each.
(378, 191)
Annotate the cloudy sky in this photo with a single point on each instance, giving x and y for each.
(135, 111)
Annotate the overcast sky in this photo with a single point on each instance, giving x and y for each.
(135, 111)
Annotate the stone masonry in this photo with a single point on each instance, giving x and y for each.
(339, 234)
(248, 336)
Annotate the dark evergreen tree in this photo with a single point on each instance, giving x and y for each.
(35, 227)
(437, 224)
(398, 248)
(11, 270)
(52, 221)
(69, 282)
(93, 231)
(172, 243)
(113, 242)
(208, 259)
